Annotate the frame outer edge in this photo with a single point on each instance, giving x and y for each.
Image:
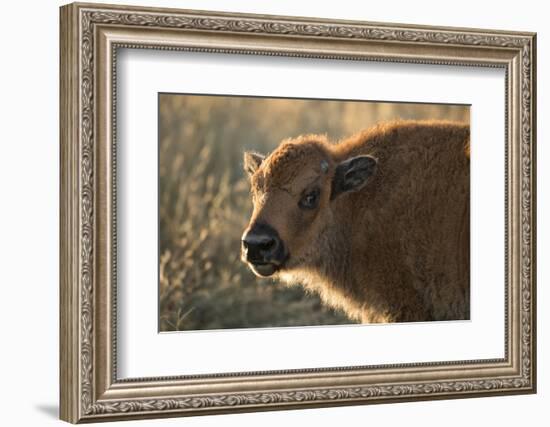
(305, 19)
(533, 204)
(69, 354)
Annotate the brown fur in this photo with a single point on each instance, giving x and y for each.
(398, 249)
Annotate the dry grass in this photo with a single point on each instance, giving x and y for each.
(204, 203)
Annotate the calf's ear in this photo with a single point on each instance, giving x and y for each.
(252, 162)
(352, 174)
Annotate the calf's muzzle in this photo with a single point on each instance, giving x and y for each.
(263, 249)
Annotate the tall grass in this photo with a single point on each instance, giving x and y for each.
(205, 205)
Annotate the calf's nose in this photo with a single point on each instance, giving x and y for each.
(260, 244)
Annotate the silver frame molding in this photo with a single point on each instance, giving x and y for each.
(90, 37)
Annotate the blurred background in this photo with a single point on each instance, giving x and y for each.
(205, 203)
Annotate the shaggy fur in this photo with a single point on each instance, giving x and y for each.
(395, 251)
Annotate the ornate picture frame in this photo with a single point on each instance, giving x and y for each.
(90, 37)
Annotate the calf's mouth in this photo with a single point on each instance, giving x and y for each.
(264, 269)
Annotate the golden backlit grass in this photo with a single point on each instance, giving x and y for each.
(204, 203)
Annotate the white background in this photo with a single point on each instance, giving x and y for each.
(140, 347)
(29, 171)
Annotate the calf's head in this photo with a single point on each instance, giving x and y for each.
(293, 192)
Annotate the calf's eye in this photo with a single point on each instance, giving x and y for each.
(310, 200)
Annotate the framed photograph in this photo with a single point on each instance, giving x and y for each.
(265, 212)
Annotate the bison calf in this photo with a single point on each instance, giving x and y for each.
(377, 224)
